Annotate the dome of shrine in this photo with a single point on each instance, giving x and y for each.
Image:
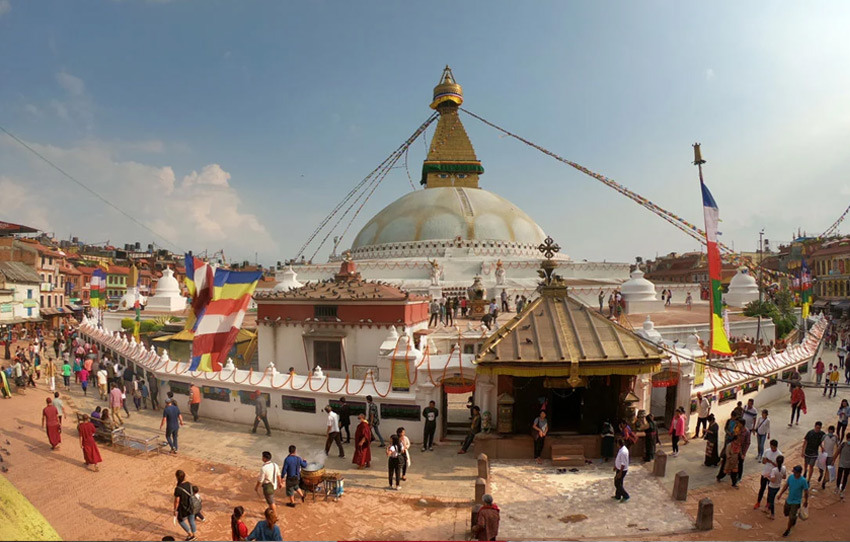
(167, 284)
(638, 288)
(289, 281)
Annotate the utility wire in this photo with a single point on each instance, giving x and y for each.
(86, 188)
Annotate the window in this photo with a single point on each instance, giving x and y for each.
(50, 260)
(327, 355)
(29, 293)
(324, 312)
(49, 301)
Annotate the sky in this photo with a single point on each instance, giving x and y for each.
(238, 126)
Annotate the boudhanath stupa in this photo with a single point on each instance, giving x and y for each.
(435, 241)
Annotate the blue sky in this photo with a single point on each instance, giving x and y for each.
(239, 125)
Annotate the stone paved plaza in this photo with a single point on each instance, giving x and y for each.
(538, 501)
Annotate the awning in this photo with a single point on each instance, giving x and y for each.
(590, 369)
(19, 320)
(74, 308)
(841, 305)
(820, 303)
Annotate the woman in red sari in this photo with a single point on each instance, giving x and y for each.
(50, 420)
(362, 444)
(91, 455)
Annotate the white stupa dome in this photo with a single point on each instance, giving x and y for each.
(128, 301)
(167, 285)
(743, 289)
(439, 217)
(638, 288)
(289, 281)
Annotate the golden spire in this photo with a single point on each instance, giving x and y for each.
(451, 158)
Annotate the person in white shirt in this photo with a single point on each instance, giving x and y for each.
(268, 480)
(762, 430)
(750, 415)
(621, 468)
(333, 432)
(769, 461)
(703, 410)
(102, 381)
(777, 474)
(828, 444)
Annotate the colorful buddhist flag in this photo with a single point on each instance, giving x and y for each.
(134, 279)
(199, 282)
(805, 288)
(97, 291)
(719, 342)
(219, 323)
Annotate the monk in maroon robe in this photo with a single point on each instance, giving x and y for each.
(50, 420)
(363, 444)
(91, 454)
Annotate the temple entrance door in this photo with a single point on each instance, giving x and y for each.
(670, 404)
(565, 409)
(454, 414)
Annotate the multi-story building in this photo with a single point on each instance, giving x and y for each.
(85, 283)
(116, 283)
(19, 291)
(689, 268)
(830, 267)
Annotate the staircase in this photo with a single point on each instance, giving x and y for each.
(456, 431)
(567, 455)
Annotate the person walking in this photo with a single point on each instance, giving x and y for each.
(173, 420)
(60, 406)
(798, 403)
(474, 429)
(487, 527)
(184, 509)
(153, 385)
(394, 462)
(144, 392)
(50, 374)
(102, 380)
(404, 455)
(50, 422)
(261, 413)
(434, 309)
(621, 468)
(344, 419)
(363, 443)
(601, 297)
(827, 457)
(762, 430)
(291, 470)
(812, 446)
(677, 430)
(268, 480)
(333, 432)
(703, 410)
(819, 370)
(777, 475)
(66, 375)
(769, 462)
(541, 429)
(430, 415)
(798, 494)
(374, 419)
(115, 402)
(650, 438)
(842, 460)
(266, 529)
(843, 414)
(194, 401)
(91, 454)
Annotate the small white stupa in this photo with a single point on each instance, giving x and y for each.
(128, 301)
(168, 297)
(289, 281)
(640, 294)
(742, 289)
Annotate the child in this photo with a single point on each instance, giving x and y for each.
(833, 381)
(84, 380)
(143, 389)
(200, 514)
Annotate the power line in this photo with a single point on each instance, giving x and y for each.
(89, 190)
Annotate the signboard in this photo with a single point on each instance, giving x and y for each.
(400, 412)
(401, 377)
(458, 384)
(30, 303)
(355, 408)
(699, 371)
(665, 378)
(216, 394)
(6, 307)
(179, 388)
(359, 372)
(298, 404)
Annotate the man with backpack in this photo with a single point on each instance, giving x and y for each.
(269, 480)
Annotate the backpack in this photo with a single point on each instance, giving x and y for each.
(194, 502)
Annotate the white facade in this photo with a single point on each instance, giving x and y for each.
(168, 297)
(743, 289)
(21, 304)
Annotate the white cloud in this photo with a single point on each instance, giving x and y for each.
(709, 74)
(77, 106)
(5, 7)
(198, 211)
(71, 83)
(33, 110)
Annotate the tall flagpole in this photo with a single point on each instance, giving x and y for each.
(698, 161)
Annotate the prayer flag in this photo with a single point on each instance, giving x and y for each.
(719, 343)
(805, 288)
(97, 291)
(199, 282)
(137, 303)
(219, 323)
